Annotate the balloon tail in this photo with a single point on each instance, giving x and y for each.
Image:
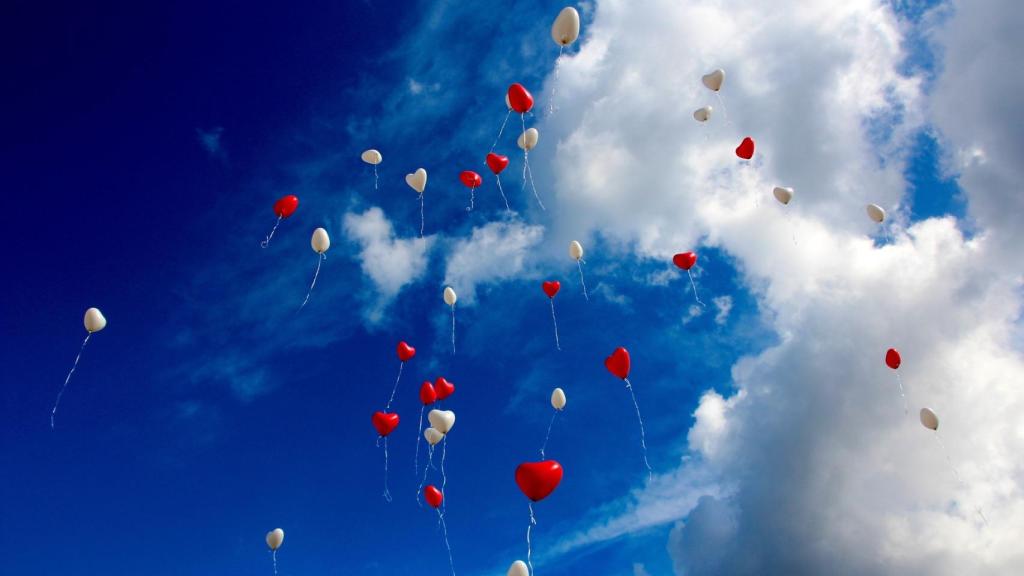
(444, 474)
(725, 112)
(273, 555)
(956, 474)
(426, 469)
(692, 283)
(472, 197)
(53, 413)
(395, 389)
(509, 113)
(899, 381)
(387, 493)
(529, 545)
(419, 436)
(376, 179)
(503, 197)
(534, 186)
(643, 434)
(315, 274)
(554, 85)
(582, 283)
(444, 530)
(266, 241)
(453, 329)
(555, 322)
(422, 219)
(548, 435)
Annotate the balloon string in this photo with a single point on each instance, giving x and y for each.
(444, 475)
(956, 474)
(53, 413)
(902, 395)
(472, 196)
(529, 545)
(526, 167)
(426, 469)
(695, 297)
(509, 113)
(274, 556)
(422, 219)
(584, 284)
(375, 178)
(548, 435)
(534, 186)
(643, 434)
(453, 329)
(554, 85)
(315, 274)
(416, 458)
(266, 241)
(555, 322)
(387, 493)
(502, 190)
(395, 389)
(444, 529)
(725, 112)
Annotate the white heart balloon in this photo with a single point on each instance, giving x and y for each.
(876, 213)
(417, 180)
(782, 194)
(432, 436)
(442, 420)
(275, 538)
(928, 419)
(702, 114)
(320, 241)
(371, 156)
(713, 80)
(558, 399)
(575, 250)
(94, 320)
(449, 296)
(528, 140)
(566, 28)
(518, 568)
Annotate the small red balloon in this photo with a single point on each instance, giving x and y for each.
(471, 179)
(538, 480)
(618, 363)
(519, 98)
(746, 148)
(551, 288)
(286, 206)
(496, 162)
(427, 394)
(384, 422)
(433, 496)
(405, 352)
(892, 358)
(686, 260)
(444, 388)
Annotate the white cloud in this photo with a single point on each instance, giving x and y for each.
(210, 140)
(391, 262)
(494, 252)
(723, 305)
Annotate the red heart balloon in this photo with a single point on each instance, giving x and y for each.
(497, 162)
(892, 358)
(405, 352)
(519, 98)
(433, 496)
(538, 479)
(286, 205)
(444, 388)
(471, 179)
(551, 288)
(746, 148)
(427, 394)
(384, 423)
(618, 363)
(686, 260)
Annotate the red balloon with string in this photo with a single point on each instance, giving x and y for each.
(551, 287)
(283, 208)
(619, 364)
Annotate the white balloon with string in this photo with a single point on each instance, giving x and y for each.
(320, 242)
(564, 31)
(528, 141)
(274, 540)
(442, 421)
(450, 298)
(576, 253)
(373, 158)
(713, 81)
(558, 403)
(418, 182)
(94, 321)
(931, 421)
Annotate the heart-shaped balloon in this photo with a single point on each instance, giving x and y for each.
(432, 436)
(417, 180)
(551, 288)
(876, 213)
(702, 114)
(538, 479)
(892, 358)
(470, 179)
(427, 394)
(713, 80)
(433, 496)
(746, 148)
(94, 320)
(518, 568)
(444, 388)
(371, 156)
(442, 420)
(618, 363)
(519, 98)
(686, 260)
(286, 206)
(784, 195)
(384, 422)
(929, 419)
(528, 140)
(405, 352)
(497, 162)
(275, 538)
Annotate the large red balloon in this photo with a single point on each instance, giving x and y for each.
(444, 388)
(519, 98)
(686, 260)
(551, 288)
(538, 479)
(433, 496)
(892, 358)
(384, 422)
(286, 206)
(427, 394)
(496, 162)
(618, 363)
(405, 352)
(746, 148)
(471, 179)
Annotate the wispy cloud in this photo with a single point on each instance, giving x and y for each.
(210, 140)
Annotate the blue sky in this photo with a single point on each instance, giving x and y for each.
(145, 149)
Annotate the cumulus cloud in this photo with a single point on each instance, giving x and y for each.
(723, 305)
(391, 262)
(494, 252)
